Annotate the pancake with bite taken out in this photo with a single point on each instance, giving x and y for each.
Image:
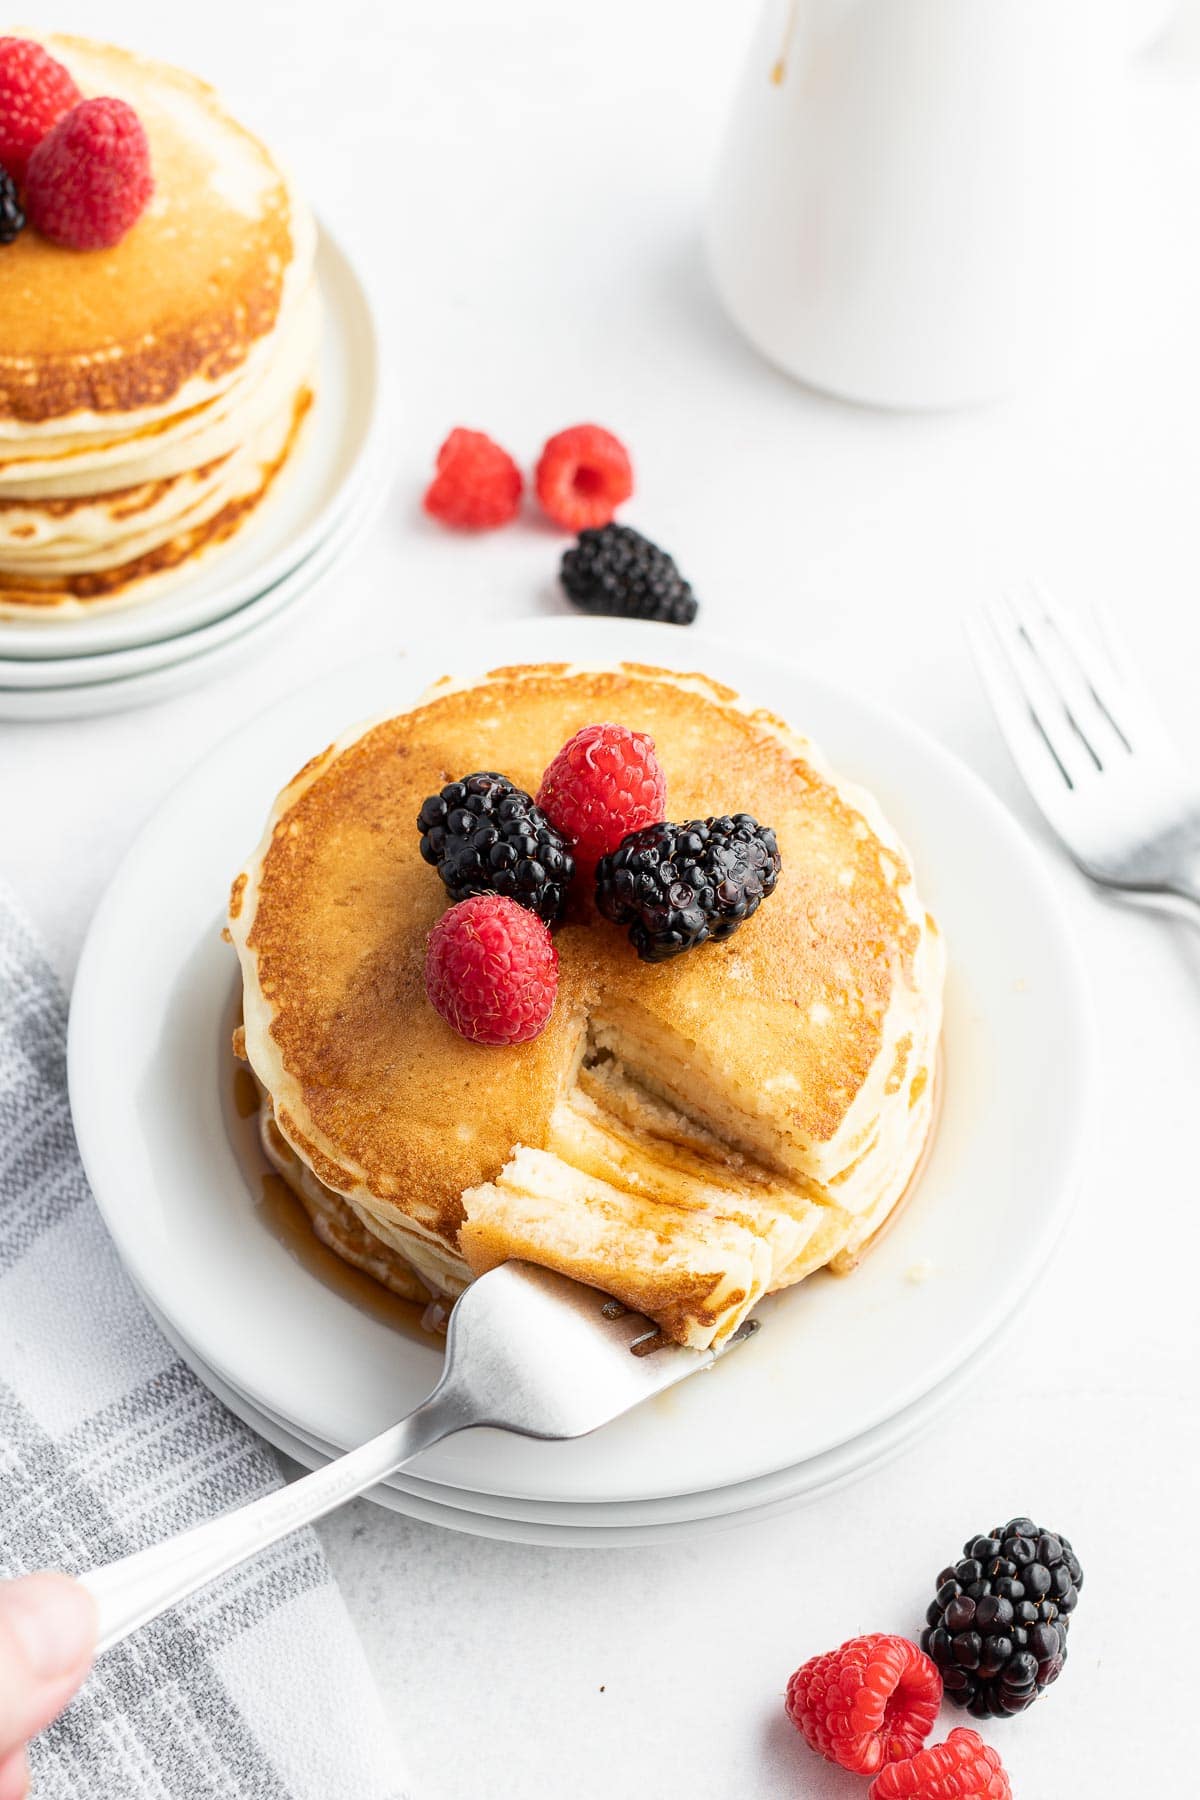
(689, 1135)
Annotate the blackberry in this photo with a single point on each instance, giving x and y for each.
(12, 219)
(485, 836)
(997, 1627)
(614, 569)
(677, 886)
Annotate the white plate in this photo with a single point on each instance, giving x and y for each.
(793, 1485)
(24, 675)
(182, 672)
(624, 1525)
(996, 1192)
(342, 440)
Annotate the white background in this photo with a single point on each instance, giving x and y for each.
(522, 184)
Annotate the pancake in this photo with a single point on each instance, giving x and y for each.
(196, 514)
(333, 1220)
(159, 381)
(689, 1135)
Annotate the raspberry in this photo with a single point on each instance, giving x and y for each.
(963, 1768)
(90, 178)
(871, 1702)
(491, 970)
(583, 475)
(603, 784)
(35, 92)
(477, 485)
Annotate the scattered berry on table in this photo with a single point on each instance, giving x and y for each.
(477, 485)
(997, 1627)
(485, 836)
(12, 219)
(583, 475)
(491, 970)
(604, 783)
(677, 886)
(963, 1768)
(90, 179)
(867, 1704)
(35, 92)
(617, 570)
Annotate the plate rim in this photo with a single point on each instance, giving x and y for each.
(622, 644)
(165, 653)
(567, 1533)
(178, 674)
(780, 1483)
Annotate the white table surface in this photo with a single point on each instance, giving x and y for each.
(522, 185)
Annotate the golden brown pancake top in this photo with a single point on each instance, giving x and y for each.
(183, 295)
(403, 1104)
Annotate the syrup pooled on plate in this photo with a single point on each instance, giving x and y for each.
(285, 1215)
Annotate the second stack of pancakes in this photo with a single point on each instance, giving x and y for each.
(152, 394)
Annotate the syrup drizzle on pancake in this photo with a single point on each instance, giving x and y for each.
(281, 1207)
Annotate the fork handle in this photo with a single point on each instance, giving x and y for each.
(137, 1588)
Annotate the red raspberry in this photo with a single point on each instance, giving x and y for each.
(90, 178)
(604, 783)
(35, 92)
(583, 475)
(963, 1768)
(869, 1703)
(491, 970)
(477, 484)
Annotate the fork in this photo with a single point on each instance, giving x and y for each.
(1086, 739)
(527, 1350)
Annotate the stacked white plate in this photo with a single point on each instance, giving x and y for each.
(843, 1373)
(128, 656)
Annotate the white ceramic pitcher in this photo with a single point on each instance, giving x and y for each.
(905, 208)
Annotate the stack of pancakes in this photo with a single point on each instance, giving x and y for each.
(687, 1136)
(150, 394)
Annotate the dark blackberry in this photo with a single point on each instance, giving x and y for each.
(677, 886)
(485, 836)
(614, 569)
(12, 219)
(997, 1627)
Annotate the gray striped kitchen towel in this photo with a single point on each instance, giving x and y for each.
(256, 1689)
